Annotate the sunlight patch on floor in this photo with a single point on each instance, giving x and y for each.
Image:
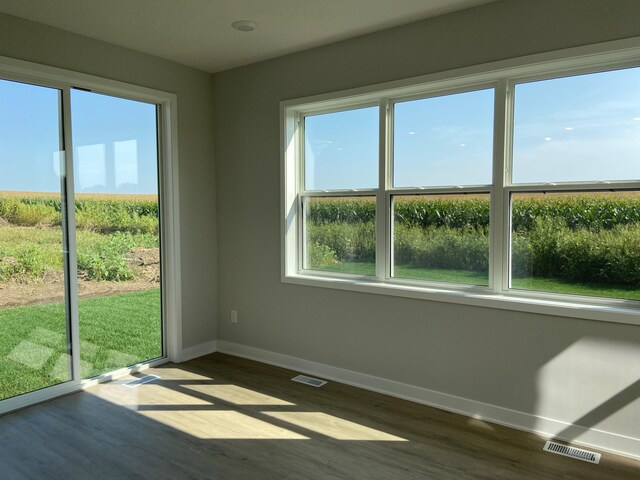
(169, 373)
(237, 395)
(206, 414)
(333, 427)
(221, 425)
(147, 395)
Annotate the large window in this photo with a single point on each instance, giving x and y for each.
(512, 184)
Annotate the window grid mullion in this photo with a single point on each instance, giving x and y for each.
(441, 190)
(383, 236)
(300, 186)
(508, 183)
(574, 187)
(339, 193)
(500, 257)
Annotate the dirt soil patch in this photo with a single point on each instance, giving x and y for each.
(50, 289)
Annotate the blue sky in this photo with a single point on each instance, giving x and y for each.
(582, 128)
(114, 141)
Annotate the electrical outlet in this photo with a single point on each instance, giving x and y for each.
(234, 316)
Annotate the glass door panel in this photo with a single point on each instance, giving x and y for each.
(34, 321)
(117, 231)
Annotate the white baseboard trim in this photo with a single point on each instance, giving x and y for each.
(196, 351)
(546, 427)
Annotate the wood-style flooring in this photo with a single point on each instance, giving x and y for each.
(222, 417)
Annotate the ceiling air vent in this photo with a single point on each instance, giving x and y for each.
(578, 453)
(314, 382)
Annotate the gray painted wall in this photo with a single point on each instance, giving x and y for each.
(49, 46)
(561, 368)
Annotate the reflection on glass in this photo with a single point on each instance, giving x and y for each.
(444, 141)
(341, 150)
(577, 243)
(441, 238)
(116, 178)
(340, 234)
(580, 128)
(92, 168)
(34, 351)
(126, 159)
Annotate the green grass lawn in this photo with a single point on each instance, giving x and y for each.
(477, 278)
(628, 292)
(115, 331)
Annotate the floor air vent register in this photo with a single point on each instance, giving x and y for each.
(577, 453)
(314, 382)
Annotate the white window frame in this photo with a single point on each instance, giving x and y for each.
(502, 76)
(167, 128)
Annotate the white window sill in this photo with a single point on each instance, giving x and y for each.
(627, 312)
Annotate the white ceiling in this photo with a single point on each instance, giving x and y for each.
(198, 33)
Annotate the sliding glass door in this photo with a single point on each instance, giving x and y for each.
(80, 258)
(117, 231)
(35, 344)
